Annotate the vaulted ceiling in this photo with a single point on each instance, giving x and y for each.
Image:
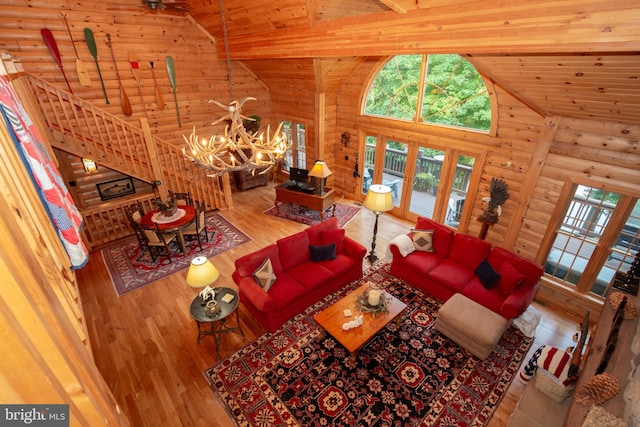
(573, 58)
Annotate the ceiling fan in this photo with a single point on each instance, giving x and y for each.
(180, 6)
(153, 6)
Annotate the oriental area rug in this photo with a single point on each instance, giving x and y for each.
(413, 376)
(293, 212)
(130, 269)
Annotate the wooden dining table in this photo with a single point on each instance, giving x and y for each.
(184, 216)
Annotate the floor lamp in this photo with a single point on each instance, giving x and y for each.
(378, 200)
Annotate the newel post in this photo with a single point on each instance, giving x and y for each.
(156, 169)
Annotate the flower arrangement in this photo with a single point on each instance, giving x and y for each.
(167, 207)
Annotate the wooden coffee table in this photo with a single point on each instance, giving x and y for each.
(331, 320)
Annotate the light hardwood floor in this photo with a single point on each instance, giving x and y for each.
(144, 343)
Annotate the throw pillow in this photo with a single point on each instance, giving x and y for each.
(264, 275)
(323, 253)
(334, 236)
(487, 275)
(510, 278)
(422, 240)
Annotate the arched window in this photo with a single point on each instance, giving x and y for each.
(440, 89)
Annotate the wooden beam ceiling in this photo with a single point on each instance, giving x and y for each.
(476, 27)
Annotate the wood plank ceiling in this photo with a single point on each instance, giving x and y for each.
(577, 59)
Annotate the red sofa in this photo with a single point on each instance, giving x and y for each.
(453, 267)
(299, 281)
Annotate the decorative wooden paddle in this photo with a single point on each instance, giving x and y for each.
(50, 41)
(83, 75)
(91, 44)
(171, 70)
(159, 100)
(124, 99)
(135, 70)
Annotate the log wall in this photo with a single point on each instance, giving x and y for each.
(200, 74)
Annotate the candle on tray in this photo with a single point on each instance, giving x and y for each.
(374, 297)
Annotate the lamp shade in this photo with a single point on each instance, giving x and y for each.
(320, 170)
(378, 198)
(201, 272)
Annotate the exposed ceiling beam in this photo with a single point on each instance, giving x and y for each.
(477, 27)
(393, 5)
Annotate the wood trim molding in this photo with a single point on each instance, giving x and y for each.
(512, 27)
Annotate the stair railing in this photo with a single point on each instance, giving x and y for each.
(83, 129)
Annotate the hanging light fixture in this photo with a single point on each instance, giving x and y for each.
(237, 149)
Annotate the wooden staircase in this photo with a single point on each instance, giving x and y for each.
(83, 129)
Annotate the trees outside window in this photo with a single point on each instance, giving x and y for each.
(438, 89)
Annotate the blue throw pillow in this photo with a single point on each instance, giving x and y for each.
(487, 275)
(323, 253)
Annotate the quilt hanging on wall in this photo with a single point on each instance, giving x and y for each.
(55, 196)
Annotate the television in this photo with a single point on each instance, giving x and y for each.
(299, 175)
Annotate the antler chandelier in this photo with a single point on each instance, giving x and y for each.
(237, 149)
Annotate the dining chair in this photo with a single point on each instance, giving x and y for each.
(135, 212)
(182, 198)
(154, 241)
(194, 230)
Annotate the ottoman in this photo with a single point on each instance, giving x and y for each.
(471, 325)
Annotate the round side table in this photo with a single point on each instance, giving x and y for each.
(216, 324)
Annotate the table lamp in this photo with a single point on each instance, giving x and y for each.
(378, 200)
(321, 171)
(203, 273)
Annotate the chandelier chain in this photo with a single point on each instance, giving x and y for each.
(226, 47)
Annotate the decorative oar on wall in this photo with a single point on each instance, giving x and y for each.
(135, 70)
(91, 44)
(159, 100)
(50, 41)
(83, 75)
(124, 99)
(171, 70)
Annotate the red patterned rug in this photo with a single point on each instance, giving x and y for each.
(408, 377)
(129, 273)
(293, 212)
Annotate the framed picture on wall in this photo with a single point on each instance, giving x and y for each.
(116, 188)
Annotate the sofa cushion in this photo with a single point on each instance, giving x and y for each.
(422, 240)
(510, 278)
(451, 274)
(469, 250)
(490, 298)
(339, 265)
(442, 236)
(531, 271)
(264, 275)
(310, 275)
(285, 291)
(294, 250)
(487, 274)
(248, 264)
(315, 232)
(323, 253)
(335, 236)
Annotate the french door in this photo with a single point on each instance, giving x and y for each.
(425, 181)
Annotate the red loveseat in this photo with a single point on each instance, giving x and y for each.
(299, 281)
(454, 266)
